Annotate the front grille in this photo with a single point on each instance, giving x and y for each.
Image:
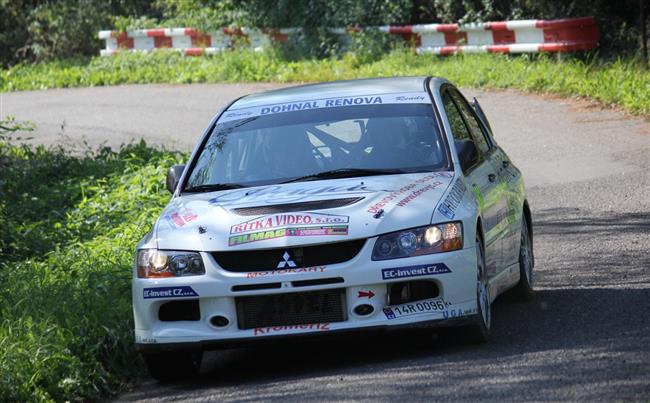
(300, 308)
(299, 283)
(292, 207)
(300, 256)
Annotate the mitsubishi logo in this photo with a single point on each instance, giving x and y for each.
(286, 261)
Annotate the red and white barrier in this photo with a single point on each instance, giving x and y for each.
(525, 36)
(189, 40)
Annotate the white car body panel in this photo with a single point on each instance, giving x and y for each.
(206, 223)
(212, 211)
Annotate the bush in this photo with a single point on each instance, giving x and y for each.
(126, 23)
(370, 45)
(65, 28)
(314, 17)
(48, 29)
(205, 15)
(70, 226)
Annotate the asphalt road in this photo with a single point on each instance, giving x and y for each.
(586, 334)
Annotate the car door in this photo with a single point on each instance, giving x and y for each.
(482, 176)
(511, 177)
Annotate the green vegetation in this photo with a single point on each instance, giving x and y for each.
(38, 30)
(70, 226)
(620, 82)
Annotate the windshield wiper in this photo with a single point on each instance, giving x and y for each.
(345, 173)
(213, 187)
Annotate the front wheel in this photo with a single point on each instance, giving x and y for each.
(523, 291)
(479, 331)
(173, 366)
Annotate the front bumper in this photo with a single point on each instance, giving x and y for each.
(207, 345)
(360, 276)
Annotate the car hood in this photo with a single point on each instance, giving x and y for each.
(300, 213)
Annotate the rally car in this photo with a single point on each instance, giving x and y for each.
(335, 207)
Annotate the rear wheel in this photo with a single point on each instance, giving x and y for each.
(523, 291)
(172, 366)
(479, 331)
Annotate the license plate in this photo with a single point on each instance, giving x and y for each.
(295, 304)
(423, 307)
(291, 309)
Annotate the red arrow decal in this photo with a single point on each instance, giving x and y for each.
(368, 294)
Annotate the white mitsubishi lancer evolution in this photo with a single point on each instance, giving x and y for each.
(345, 206)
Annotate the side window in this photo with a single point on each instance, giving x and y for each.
(485, 124)
(472, 123)
(458, 128)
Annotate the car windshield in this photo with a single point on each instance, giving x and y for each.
(314, 144)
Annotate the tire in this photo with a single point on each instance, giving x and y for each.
(523, 291)
(173, 366)
(479, 331)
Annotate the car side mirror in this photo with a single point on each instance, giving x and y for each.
(467, 153)
(173, 177)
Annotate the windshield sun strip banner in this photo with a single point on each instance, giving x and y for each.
(354, 100)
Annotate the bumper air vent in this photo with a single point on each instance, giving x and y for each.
(255, 287)
(174, 311)
(318, 281)
(411, 291)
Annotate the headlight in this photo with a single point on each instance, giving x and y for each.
(419, 241)
(154, 263)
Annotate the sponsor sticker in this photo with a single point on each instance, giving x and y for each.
(457, 313)
(479, 196)
(395, 98)
(179, 218)
(140, 339)
(426, 306)
(169, 292)
(412, 191)
(416, 193)
(448, 207)
(287, 232)
(310, 231)
(414, 271)
(287, 220)
(280, 194)
(237, 115)
(402, 98)
(321, 103)
(366, 294)
(322, 327)
(291, 270)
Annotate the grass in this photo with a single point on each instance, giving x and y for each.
(70, 226)
(622, 82)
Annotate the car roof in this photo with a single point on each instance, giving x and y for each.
(334, 89)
